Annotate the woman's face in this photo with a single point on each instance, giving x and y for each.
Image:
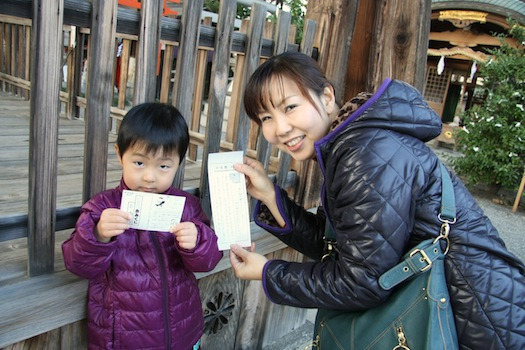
(291, 122)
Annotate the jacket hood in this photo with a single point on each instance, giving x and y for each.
(395, 106)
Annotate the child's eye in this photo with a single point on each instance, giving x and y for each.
(139, 163)
(165, 167)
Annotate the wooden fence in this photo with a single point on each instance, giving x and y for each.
(75, 59)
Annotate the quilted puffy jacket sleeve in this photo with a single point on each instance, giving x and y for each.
(303, 230)
(206, 254)
(372, 181)
(83, 254)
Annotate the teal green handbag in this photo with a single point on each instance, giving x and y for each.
(417, 315)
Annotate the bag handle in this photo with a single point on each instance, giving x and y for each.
(421, 257)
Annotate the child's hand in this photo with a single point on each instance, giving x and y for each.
(186, 234)
(112, 223)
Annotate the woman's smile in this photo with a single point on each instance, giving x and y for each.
(295, 143)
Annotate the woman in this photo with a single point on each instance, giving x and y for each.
(381, 196)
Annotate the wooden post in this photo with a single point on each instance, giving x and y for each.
(2, 61)
(123, 78)
(336, 20)
(200, 77)
(149, 41)
(253, 52)
(185, 68)
(43, 138)
(400, 39)
(518, 195)
(306, 47)
(99, 94)
(236, 94)
(280, 45)
(217, 96)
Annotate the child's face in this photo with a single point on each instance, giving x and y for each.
(148, 172)
(291, 122)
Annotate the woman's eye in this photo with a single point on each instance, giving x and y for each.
(265, 118)
(289, 108)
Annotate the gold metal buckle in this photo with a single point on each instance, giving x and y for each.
(424, 258)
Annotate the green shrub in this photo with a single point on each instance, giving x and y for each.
(493, 138)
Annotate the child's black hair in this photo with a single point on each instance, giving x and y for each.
(154, 126)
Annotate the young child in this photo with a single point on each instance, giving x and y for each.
(142, 290)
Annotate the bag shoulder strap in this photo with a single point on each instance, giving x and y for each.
(421, 257)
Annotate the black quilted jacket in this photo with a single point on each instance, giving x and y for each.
(382, 195)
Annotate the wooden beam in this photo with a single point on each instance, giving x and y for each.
(281, 43)
(465, 38)
(185, 68)
(147, 52)
(32, 306)
(43, 138)
(400, 42)
(518, 195)
(99, 94)
(336, 23)
(217, 96)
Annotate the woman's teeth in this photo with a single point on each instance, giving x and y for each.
(294, 141)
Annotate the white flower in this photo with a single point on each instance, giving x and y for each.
(520, 106)
(512, 154)
(489, 119)
(516, 94)
(476, 149)
(466, 130)
(518, 124)
(498, 125)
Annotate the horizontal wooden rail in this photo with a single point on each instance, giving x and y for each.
(78, 13)
(15, 226)
(33, 306)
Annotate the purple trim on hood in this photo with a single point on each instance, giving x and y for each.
(278, 230)
(351, 118)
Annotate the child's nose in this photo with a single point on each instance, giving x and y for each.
(148, 176)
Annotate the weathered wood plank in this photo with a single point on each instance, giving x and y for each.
(251, 62)
(31, 306)
(280, 44)
(217, 96)
(43, 138)
(100, 94)
(185, 78)
(148, 47)
(401, 42)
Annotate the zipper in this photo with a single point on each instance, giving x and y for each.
(401, 339)
(165, 292)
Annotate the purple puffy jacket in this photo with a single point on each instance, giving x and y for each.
(142, 290)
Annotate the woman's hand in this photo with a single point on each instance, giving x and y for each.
(247, 265)
(258, 184)
(113, 222)
(260, 187)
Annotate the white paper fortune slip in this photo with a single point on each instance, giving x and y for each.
(152, 211)
(229, 201)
